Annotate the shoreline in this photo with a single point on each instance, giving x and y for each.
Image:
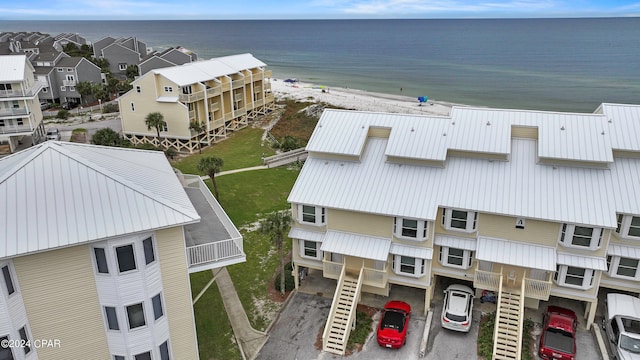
(361, 100)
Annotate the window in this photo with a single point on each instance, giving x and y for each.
(63, 88)
(187, 90)
(60, 69)
(72, 88)
(5, 352)
(164, 127)
(138, 89)
(20, 122)
(135, 314)
(157, 306)
(580, 236)
(149, 255)
(25, 339)
(101, 260)
(168, 89)
(410, 228)
(622, 267)
(164, 351)
(112, 318)
(70, 78)
(405, 265)
(310, 249)
(118, 357)
(454, 257)
(314, 215)
(45, 89)
(143, 356)
(569, 276)
(133, 107)
(459, 220)
(122, 67)
(126, 258)
(629, 226)
(69, 70)
(8, 280)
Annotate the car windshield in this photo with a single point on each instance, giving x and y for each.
(630, 344)
(393, 320)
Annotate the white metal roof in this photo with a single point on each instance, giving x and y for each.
(623, 125)
(521, 186)
(12, 67)
(516, 253)
(623, 305)
(456, 242)
(585, 262)
(199, 71)
(411, 251)
(631, 252)
(302, 234)
(59, 194)
(368, 247)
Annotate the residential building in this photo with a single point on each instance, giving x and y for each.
(20, 114)
(167, 58)
(528, 204)
(67, 74)
(96, 248)
(220, 94)
(121, 53)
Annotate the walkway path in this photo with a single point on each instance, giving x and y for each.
(249, 339)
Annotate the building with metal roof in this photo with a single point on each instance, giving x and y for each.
(105, 237)
(201, 102)
(529, 204)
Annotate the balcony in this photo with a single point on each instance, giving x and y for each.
(535, 289)
(14, 112)
(237, 83)
(268, 73)
(22, 93)
(69, 82)
(215, 241)
(331, 269)
(373, 277)
(189, 98)
(487, 280)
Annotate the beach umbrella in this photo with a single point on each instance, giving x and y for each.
(423, 99)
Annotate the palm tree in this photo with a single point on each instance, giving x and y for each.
(155, 120)
(276, 225)
(211, 165)
(198, 128)
(84, 88)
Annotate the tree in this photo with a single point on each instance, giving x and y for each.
(108, 137)
(198, 128)
(132, 71)
(276, 225)
(85, 88)
(102, 63)
(155, 120)
(211, 165)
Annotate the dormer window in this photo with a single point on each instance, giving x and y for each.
(410, 228)
(459, 220)
(580, 236)
(629, 226)
(313, 215)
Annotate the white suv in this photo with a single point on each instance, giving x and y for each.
(623, 326)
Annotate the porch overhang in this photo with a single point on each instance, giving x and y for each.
(516, 253)
(585, 262)
(368, 247)
(302, 234)
(631, 252)
(411, 251)
(456, 242)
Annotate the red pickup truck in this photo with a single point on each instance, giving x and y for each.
(558, 339)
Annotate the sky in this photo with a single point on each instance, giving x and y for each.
(309, 9)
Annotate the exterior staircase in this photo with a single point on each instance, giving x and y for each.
(342, 315)
(507, 337)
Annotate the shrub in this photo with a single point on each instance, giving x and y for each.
(110, 108)
(290, 143)
(485, 337)
(363, 328)
(62, 114)
(289, 282)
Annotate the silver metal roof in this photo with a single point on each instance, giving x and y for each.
(456, 242)
(369, 247)
(199, 71)
(59, 194)
(516, 253)
(302, 234)
(521, 186)
(631, 252)
(411, 251)
(585, 262)
(12, 68)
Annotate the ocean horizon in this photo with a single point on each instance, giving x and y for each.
(540, 64)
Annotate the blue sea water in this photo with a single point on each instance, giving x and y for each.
(546, 64)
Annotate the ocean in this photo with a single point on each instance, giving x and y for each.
(542, 64)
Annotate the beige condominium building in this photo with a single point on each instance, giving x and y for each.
(220, 95)
(96, 248)
(20, 114)
(527, 204)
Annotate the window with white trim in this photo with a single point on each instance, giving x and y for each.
(313, 215)
(25, 339)
(580, 236)
(622, 267)
(629, 226)
(126, 257)
(111, 316)
(118, 357)
(575, 277)
(459, 220)
(8, 280)
(168, 89)
(135, 315)
(410, 266)
(72, 88)
(143, 356)
(101, 260)
(60, 69)
(149, 254)
(164, 351)
(454, 257)
(133, 107)
(410, 228)
(138, 89)
(63, 88)
(158, 311)
(6, 352)
(122, 66)
(310, 249)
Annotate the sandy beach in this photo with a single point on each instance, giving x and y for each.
(358, 99)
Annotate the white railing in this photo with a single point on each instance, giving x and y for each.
(520, 321)
(285, 158)
(14, 111)
(486, 280)
(29, 92)
(215, 251)
(237, 83)
(496, 327)
(538, 289)
(331, 269)
(334, 307)
(377, 278)
(352, 309)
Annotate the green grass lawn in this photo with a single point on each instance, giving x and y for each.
(242, 149)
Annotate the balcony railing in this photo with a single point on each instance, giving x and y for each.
(14, 112)
(214, 107)
(538, 289)
(487, 280)
(237, 84)
(331, 270)
(215, 91)
(188, 98)
(15, 129)
(268, 73)
(69, 82)
(16, 93)
(215, 251)
(373, 277)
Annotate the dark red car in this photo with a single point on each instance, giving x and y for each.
(392, 331)
(558, 339)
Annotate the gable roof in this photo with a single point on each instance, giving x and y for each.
(60, 194)
(12, 67)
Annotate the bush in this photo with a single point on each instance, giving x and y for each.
(110, 108)
(63, 114)
(289, 282)
(363, 328)
(108, 137)
(290, 143)
(485, 337)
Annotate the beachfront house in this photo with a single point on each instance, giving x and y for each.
(120, 53)
(220, 95)
(20, 113)
(527, 204)
(169, 57)
(96, 248)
